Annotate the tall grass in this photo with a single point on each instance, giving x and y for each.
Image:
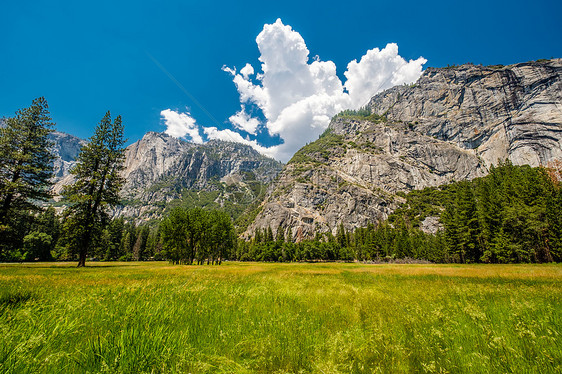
(247, 317)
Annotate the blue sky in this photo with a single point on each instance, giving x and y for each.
(90, 57)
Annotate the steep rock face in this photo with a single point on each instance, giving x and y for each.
(65, 148)
(149, 159)
(159, 169)
(451, 125)
(510, 112)
(174, 164)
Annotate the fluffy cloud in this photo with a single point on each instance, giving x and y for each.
(233, 136)
(298, 97)
(242, 120)
(246, 71)
(180, 125)
(378, 70)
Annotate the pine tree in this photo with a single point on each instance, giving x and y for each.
(97, 185)
(25, 160)
(280, 235)
(268, 235)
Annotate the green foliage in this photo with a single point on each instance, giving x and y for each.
(511, 215)
(373, 243)
(197, 235)
(96, 187)
(507, 216)
(36, 246)
(319, 150)
(419, 205)
(25, 170)
(25, 159)
(361, 114)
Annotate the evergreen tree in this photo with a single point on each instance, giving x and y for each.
(280, 235)
(25, 159)
(25, 168)
(258, 237)
(199, 235)
(115, 230)
(97, 185)
(268, 235)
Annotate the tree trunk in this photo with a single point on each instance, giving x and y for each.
(5, 208)
(9, 197)
(82, 258)
(85, 244)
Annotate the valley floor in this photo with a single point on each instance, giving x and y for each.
(265, 317)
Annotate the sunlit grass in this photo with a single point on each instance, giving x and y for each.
(248, 317)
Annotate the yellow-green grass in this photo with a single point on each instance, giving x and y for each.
(258, 317)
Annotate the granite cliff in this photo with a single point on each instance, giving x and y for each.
(161, 172)
(65, 148)
(452, 124)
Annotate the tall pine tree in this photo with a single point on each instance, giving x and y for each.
(96, 187)
(25, 159)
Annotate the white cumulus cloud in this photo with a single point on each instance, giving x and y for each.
(243, 121)
(180, 125)
(378, 70)
(247, 70)
(298, 96)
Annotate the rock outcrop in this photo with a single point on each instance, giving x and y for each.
(512, 112)
(65, 148)
(160, 168)
(453, 124)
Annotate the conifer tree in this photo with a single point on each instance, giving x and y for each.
(97, 185)
(25, 159)
(268, 235)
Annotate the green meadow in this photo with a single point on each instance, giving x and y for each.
(280, 318)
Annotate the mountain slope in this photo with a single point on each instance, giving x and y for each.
(162, 172)
(451, 125)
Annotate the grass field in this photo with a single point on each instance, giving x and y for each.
(257, 317)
